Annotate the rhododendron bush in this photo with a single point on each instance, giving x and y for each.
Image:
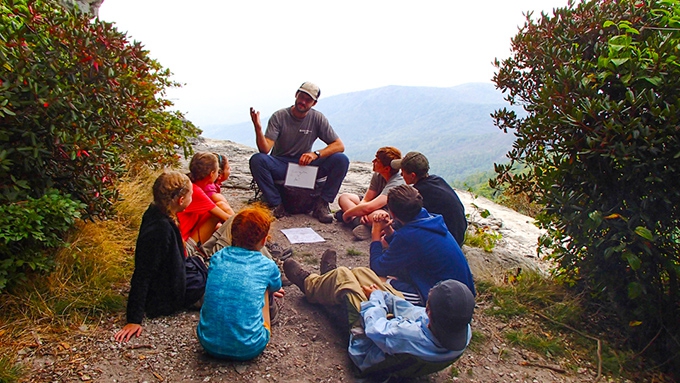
(79, 106)
(600, 149)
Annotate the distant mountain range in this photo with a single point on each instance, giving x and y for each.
(451, 126)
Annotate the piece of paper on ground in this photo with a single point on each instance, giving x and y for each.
(301, 176)
(302, 235)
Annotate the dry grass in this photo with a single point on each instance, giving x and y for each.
(86, 282)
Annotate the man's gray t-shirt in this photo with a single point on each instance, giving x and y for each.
(293, 137)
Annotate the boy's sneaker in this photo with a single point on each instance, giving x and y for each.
(295, 273)
(322, 212)
(356, 221)
(328, 261)
(338, 216)
(362, 232)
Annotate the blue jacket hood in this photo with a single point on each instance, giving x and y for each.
(426, 221)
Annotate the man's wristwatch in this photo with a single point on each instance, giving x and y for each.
(318, 154)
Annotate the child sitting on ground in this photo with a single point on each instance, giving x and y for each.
(388, 335)
(213, 190)
(235, 318)
(159, 283)
(201, 218)
(222, 237)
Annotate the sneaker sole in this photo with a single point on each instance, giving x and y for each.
(286, 254)
(361, 233)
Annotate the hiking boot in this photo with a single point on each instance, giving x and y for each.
(322, 212)
(328, 261)
(284, 281)
(279, 211)
(362, 232)
(295, 273)
(278, 252)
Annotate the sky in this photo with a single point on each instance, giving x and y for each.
(231, 55)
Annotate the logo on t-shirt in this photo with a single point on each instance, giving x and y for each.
(305, 131)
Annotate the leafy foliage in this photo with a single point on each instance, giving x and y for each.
(482, 237)
(28, 230)
(601, 144)
(79, 106)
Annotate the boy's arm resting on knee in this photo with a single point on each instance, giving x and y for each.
(222, 203)
(370, 196)
(365, 208)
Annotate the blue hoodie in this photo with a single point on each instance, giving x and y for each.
(424, 250)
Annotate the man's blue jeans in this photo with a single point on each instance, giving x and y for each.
(266, 169)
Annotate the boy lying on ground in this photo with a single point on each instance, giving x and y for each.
(390, 336)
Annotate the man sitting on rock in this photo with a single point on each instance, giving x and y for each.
(420, 253)
(290, 134)
(392, 338)
(357, 211)
(438, 196)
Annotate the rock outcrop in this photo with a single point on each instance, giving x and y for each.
(85, 6)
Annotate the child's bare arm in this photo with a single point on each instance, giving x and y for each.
(222, 203)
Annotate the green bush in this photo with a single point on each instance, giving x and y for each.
(30, 230)
(483, 238)
(601, 147)
(79, 106)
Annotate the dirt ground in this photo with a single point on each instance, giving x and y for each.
(309, 343)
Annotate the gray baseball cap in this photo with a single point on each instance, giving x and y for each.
(311, 89)
(413, 162)
(451, 306)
